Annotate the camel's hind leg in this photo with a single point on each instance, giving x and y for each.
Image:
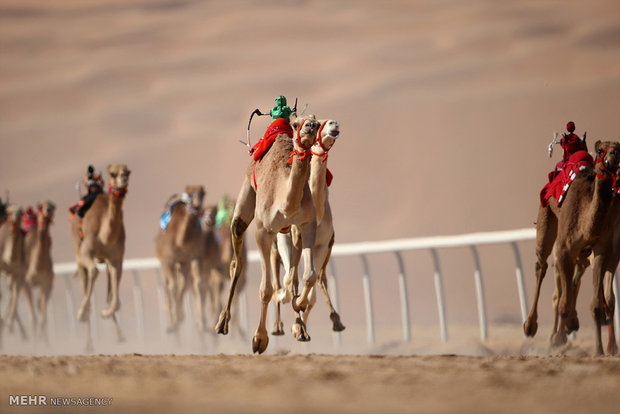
(29, 302)
(11, 314)
(115, 271)
(169, 273)
(199, 292)
(264, 240)
(546, 233)
(337, 325)
(242, 217)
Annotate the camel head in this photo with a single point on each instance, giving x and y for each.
(208, 217)
(45, 212)
(607, 157)
(195, 197)
(14, 215)
(329, 132)
(119, 180)
(305, 130)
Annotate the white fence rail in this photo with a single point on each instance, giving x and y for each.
(431, 244)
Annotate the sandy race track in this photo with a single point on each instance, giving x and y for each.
(317, 383)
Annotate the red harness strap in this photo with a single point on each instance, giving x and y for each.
(116, 192)
(320, 141)
(614, 181)
(302, 154)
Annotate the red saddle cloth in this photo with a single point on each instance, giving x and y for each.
(279, 126)
(561, 179)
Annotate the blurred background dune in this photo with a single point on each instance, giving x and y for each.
(446, 109)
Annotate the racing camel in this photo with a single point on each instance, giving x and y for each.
(277, 195)
(99, 237)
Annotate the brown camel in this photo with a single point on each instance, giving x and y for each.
(40, 268)
(328, 133)
(581, 226)
(277, 195)
(99, 237)
(12, 262)
(181, 246)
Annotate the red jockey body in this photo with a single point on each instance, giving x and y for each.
(574, 159)
(279, 126)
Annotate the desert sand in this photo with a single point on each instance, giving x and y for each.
(319, 383)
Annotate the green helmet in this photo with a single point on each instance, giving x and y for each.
(281, 110)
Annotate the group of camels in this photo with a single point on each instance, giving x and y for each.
(286, 194)
(584, 230)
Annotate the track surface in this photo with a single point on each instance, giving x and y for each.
(318, 383)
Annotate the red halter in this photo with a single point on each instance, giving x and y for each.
(114, 191)
(603, 177)
(320, 141)
(302, 154)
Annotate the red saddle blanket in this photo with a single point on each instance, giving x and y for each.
(561, 179)
(279, 126)
(29, 220)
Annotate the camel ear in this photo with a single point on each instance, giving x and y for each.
(294, 120)
(597, 145)
(109, 167)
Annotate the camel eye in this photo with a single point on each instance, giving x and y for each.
(113, 175)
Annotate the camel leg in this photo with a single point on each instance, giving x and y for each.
(115, 271)
(566, 267)
(242, 217)
(33, 316)
(264, 240)
(91, 273)
(308, 234)
(293, 250)
(84, 311)
(183, 277)
(46, 291)
(199, 290)
(278, 326)
(1, 322)
(546, 233)
(169, 273)
(337, 325)
(11, 311)
(610, 300)
(597, 305)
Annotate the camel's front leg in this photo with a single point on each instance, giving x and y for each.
(46, 291)
(169, 273)
(199, 291)
(33, 316)
(242, 217)
(11, 312)
(264, 240)
(308, 234)
(597, 304)
(610, 300)
(278, 326)
(88, 282)
(566, 267)
(546, 233)
(115, 270)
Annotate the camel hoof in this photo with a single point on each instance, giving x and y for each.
(572, 324)
(299, 331)
(337, 325)
(530, 328)
(106, 313)
(278, 329)
(558, 339)
(259, 344)
(222, 324)
(83, 315)
(612, 348)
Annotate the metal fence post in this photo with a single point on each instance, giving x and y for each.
(482, 313)
(520, 282)
(404, 301)
(139, 305)
(370, 324)
(441, 306)
(333, 286)
(162, 304)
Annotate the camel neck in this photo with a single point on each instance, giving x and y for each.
(300, 170)
(16, 247)
(188, 228)
(318, 185)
